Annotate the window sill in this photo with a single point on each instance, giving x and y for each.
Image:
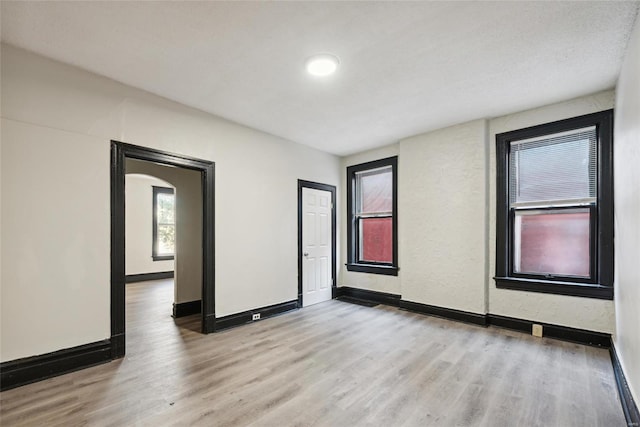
(553, 287)
(388, 270)
(162, 257)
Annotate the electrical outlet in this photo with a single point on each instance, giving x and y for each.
(536, 330)
(256, 316)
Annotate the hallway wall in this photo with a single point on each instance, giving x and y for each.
(139, 225)
(188, 193)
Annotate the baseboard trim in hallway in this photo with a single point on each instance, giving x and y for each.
(27, 370)
(182, 309)
(134, 278)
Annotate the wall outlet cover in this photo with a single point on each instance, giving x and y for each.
(536, 330)
(256, 316)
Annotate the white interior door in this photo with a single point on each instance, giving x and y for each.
(316, 246)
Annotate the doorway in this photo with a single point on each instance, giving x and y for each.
(120, 152)
(150, 227)
(316, 242)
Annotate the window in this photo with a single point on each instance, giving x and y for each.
(554, 218)
(164, 224)
(372, 237)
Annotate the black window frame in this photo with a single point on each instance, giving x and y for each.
(600, 284)
(353, 264)
(154, 249)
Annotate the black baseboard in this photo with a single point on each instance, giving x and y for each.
(208, 323)
(238, 319)
(580, 336)
(335, 292)
(182, 309)
(629, 407)
(363, 302)
(132, 278)
(117, 346)
(447, 313)
(24, 371)
(510, 323)
(367, 295)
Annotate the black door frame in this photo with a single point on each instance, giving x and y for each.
(332, 189)
(121, 151)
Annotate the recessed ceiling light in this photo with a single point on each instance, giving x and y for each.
(322, 64)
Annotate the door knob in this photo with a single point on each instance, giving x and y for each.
(306, 254)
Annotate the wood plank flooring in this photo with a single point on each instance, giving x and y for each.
(332, 364)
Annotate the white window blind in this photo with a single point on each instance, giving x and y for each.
(555, 170)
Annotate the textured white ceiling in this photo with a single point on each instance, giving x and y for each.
(407, 67)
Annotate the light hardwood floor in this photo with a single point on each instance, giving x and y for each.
(332, 364)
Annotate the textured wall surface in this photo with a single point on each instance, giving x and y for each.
(446, 220)
(442, 207)
(627, 216)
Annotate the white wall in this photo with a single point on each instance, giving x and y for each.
(139, 225)
(188, 192)
(57, 123)
(55, 259)
(627, 214)
(442, 209)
